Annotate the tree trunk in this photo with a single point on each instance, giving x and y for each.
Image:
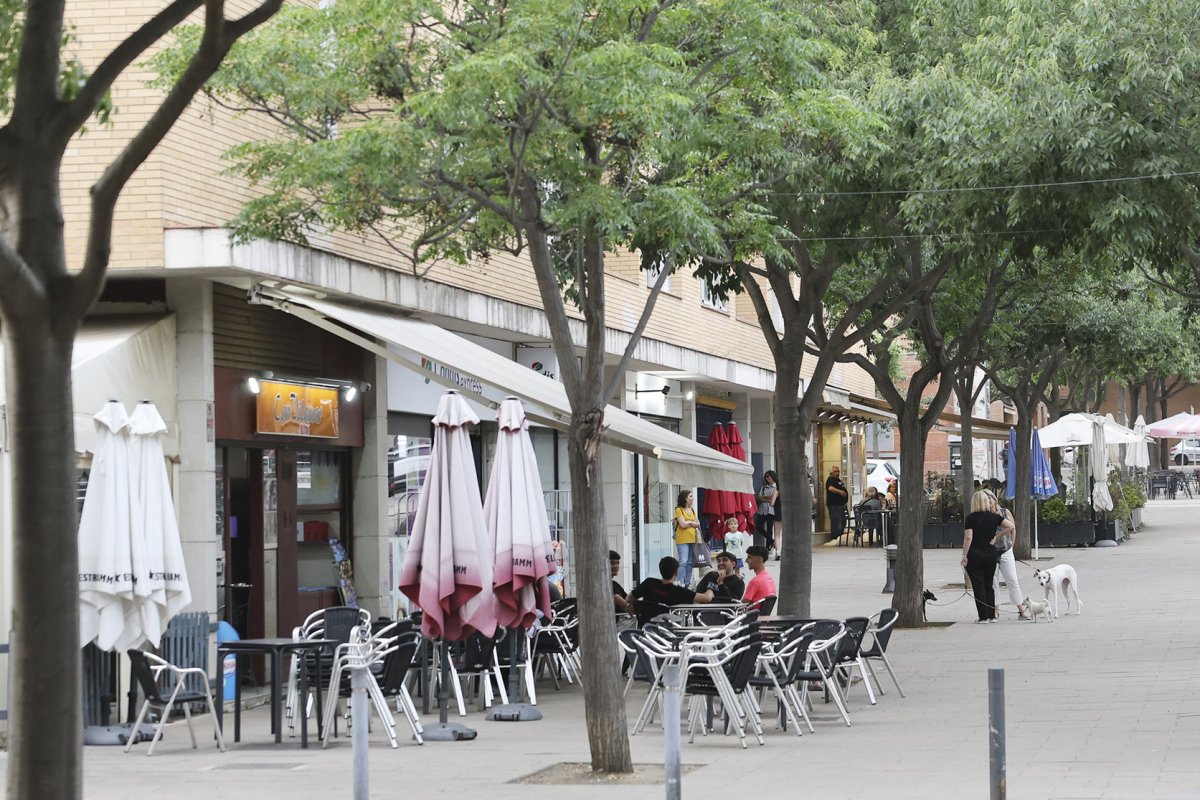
(1135, 396)
(604, 704)
(1023, 491)
(46, 720)
(910, 562)
(1164, 452)
(791, 458)
(966, 421)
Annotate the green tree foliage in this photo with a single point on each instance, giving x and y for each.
(46, 99)
(560, 130)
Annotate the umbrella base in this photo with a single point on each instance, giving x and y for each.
(1106, 543)
(513, 712)
(116, 734)
(448, 732)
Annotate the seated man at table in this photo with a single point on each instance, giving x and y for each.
(653, 596)
(762, 585)
(726, 584)
(620, 604)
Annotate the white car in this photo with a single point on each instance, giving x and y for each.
(881, 472)
(1186, 452)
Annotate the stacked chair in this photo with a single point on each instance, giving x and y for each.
(369, 652)
(337, 624)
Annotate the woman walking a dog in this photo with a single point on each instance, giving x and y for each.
(1007, 567)
(981, 530)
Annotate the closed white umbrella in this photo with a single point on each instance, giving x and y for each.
(167, 590)
(1137, 455)
(1098, 461)
(111, 557)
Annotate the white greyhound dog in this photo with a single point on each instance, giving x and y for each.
(1060, 577)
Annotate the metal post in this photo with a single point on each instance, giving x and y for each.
(890, 553)
(672, 687)
(361, 731)
(999, 780)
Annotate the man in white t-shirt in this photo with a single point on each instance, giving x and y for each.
(736, 541)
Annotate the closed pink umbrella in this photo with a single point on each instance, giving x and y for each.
(515, 513)
(449, 566)
(717, 504)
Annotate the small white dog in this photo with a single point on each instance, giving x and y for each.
(1037, 607)
(1061, 577)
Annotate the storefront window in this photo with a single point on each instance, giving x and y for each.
(318, 478)
(656, 503)
(408, 461)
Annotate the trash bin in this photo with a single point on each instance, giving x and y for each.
(891, 553)
(226, 633)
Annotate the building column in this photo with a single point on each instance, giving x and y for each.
(762, 430)
(372, 534)
(616, 470)
(196, 484)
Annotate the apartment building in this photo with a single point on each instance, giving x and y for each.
(213, 332)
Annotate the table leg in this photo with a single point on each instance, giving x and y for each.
(220, 699)
(237, 700)
(276, 724)
(320, 702)
(301, 709)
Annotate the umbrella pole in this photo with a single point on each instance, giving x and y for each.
(514, 711)
(1035, 530)
(446, 731)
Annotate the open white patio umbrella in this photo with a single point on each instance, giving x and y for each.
(515, 512)
(448, 569)
(1137, 454)
(111, 546)
(1076, 430)
(166, 591)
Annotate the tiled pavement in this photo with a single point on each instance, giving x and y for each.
(1102, 705)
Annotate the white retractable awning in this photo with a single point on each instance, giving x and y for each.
(462, 365)
(126, 358)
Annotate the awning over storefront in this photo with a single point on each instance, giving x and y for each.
(126, 358)
(460, 364)
(839, 405)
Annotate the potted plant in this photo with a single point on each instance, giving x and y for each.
(1060, 525)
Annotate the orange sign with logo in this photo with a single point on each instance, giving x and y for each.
(293, 409)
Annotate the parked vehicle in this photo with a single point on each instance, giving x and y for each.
(1186, 452)
(881, 472)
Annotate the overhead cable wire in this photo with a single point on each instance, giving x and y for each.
(998, 188)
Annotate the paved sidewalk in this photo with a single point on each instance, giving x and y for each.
(1103, 705)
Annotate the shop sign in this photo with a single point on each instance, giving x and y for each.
(539, 359)
(292, 409)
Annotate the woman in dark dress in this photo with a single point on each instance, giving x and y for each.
(981, 529)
